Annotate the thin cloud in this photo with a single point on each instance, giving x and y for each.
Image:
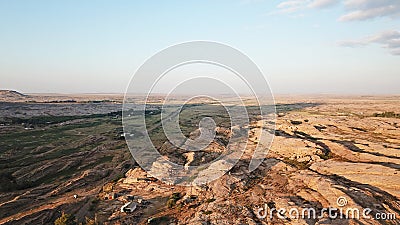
(368, 9)
(323, 3)
(387, 39)
(292, 6)
(354, 9)
(352, 43)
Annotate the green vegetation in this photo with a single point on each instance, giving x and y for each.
(68, 219)
(173, 199)
(46, 120)
(65, 219)
(52, 140)
(326, 156)
(387, 115)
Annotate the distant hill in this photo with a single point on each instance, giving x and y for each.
(11, 95)
(15, 96)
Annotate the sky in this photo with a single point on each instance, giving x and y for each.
(301, 46)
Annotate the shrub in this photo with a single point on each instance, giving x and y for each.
(387, 115)
(65, 219)
(90, 221)
(173, 199)
(171, 203)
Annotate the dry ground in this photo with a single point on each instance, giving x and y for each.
(325, 147)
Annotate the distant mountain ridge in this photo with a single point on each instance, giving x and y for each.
(15, 96)
(11, 93)
(11, 96)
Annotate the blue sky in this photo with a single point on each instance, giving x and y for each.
(302, 46)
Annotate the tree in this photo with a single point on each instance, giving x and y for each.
(65, 219)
